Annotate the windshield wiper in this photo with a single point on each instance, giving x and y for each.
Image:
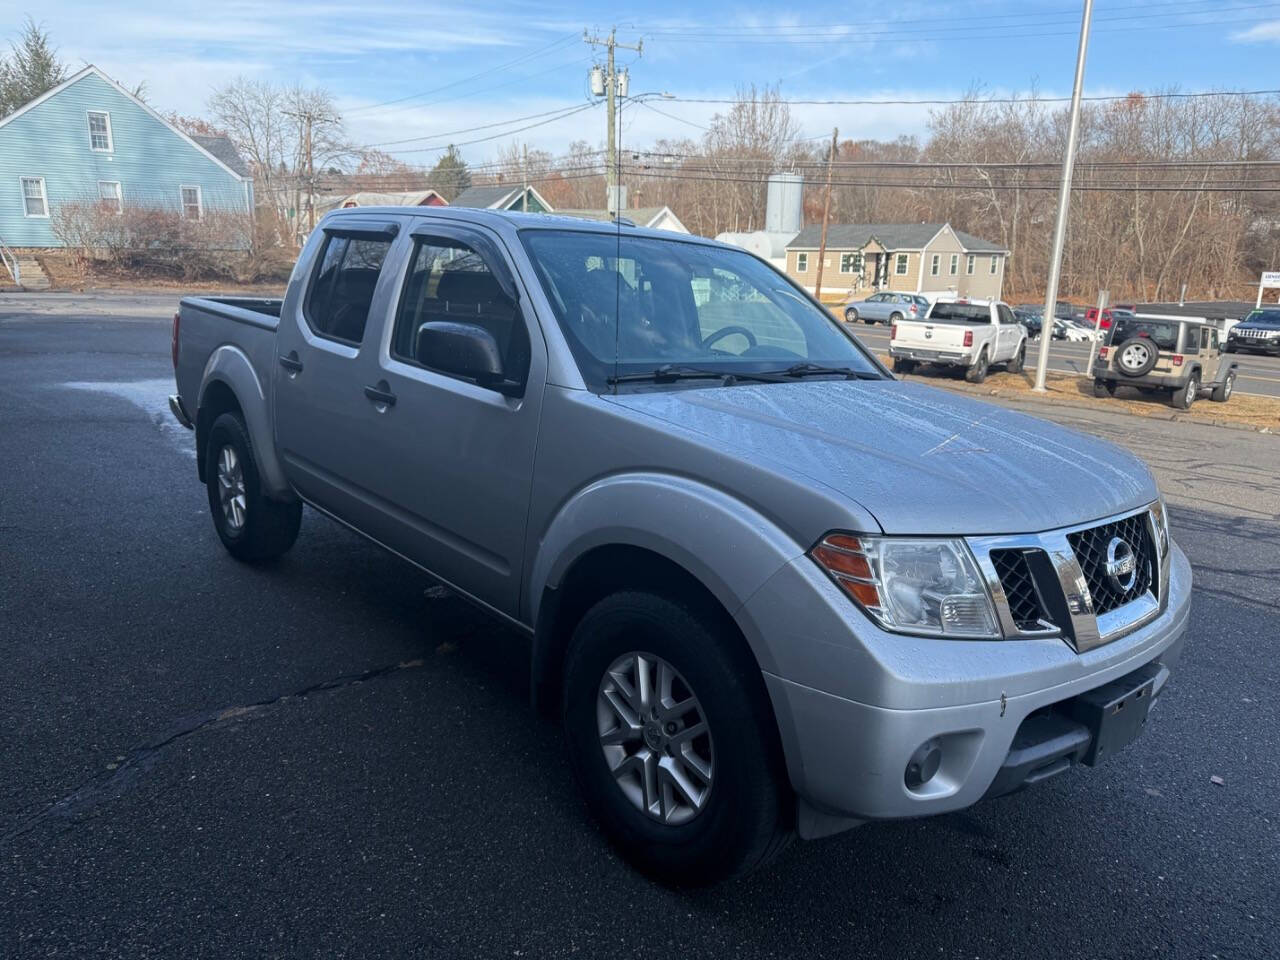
(671, 372)
(816, 369)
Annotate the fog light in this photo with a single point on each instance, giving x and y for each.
(923, 764)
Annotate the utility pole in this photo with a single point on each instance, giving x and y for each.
(1064, 203)
(611, 92)
(311, 174)
(826, 215)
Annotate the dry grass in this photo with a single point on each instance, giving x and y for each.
(1247, 410)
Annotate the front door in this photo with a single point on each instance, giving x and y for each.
(319, 401)
(1008, 333)
(450, 461)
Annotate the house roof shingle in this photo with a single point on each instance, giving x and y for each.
(222, 148)
(485, 197)
(894, 236)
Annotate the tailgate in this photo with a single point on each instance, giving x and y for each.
(929, 336)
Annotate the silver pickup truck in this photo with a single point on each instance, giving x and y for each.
(769, 588)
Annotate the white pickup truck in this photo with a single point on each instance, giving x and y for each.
(959, 332)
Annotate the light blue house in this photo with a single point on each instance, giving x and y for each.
(89, 141)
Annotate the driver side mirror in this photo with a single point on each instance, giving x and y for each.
(465, 350)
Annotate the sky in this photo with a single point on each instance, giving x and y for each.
(413, 76)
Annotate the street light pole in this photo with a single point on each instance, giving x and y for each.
(1064, 203)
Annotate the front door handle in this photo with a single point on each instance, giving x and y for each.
(291, 362)
(385, 397)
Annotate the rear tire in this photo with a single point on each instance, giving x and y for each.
(1222, 391)
(977, 371)
(895, 317)
(1104, 388)
(903, 366)
(850, 315)
(1185, 396)
(252, 527)
(746, 813)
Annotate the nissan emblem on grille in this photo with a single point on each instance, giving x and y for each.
(1122, 565)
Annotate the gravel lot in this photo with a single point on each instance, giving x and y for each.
(331, 757)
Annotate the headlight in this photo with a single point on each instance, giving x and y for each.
(911, 585)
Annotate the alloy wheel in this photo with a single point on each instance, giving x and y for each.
(655, 738)
(231, 490)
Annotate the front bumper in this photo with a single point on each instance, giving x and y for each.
(854, 711)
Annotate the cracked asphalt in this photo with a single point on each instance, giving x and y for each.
(331, 757)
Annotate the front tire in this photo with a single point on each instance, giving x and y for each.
(1019, 359)
(252, 527)
(687, 779)
(1222, 391)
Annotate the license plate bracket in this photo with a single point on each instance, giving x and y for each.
(1115, 713)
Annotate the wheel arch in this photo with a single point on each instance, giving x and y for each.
(696, 542)
(231, 385)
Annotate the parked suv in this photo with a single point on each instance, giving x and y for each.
(1178, 355)
(1259, 331)
(886, 308)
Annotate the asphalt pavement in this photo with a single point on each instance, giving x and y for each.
(332, 757)
(1259, 373)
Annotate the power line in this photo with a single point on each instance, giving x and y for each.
(485, 126)
(496, 136)
(1030, 98)
(475, 76)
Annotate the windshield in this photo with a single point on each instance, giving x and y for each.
(1162, 333)
(960, 313)
(1269, 317)
(630, 305)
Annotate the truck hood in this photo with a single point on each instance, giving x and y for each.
(918, 459)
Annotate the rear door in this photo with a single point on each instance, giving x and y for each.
(1210, 354)
(448, 462)
(318, 386)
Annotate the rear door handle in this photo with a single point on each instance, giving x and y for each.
(291, 363)
(380, 396)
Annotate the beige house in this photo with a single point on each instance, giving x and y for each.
(905, 257)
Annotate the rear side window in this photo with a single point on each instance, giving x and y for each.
(451, 281)
(338, 302)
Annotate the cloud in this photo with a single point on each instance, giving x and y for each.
(1266, 32)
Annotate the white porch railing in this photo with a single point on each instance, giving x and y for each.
(10, 261)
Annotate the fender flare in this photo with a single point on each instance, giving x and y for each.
(728, 546)
(231, 366)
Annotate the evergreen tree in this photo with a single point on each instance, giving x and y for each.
(31, 68)
(450, 176)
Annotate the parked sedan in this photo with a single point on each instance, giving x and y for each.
(886, 308)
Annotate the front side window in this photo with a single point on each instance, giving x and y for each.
(955, 264)
(639, 305)
(935, 265)
(802, 262)
(342, 289)
(450, 281)
(110, 196)
(34, 201)
(192, 203)
(900, 267)
(1006, 315)
(968, 267)
(100, 131)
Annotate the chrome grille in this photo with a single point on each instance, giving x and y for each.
(1090, 548)
(1025, 606)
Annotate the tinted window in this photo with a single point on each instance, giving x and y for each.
(450, 281)
(960, 313)
(338, 302)
(1271, 317)
(1162, 333)
(631, 304)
